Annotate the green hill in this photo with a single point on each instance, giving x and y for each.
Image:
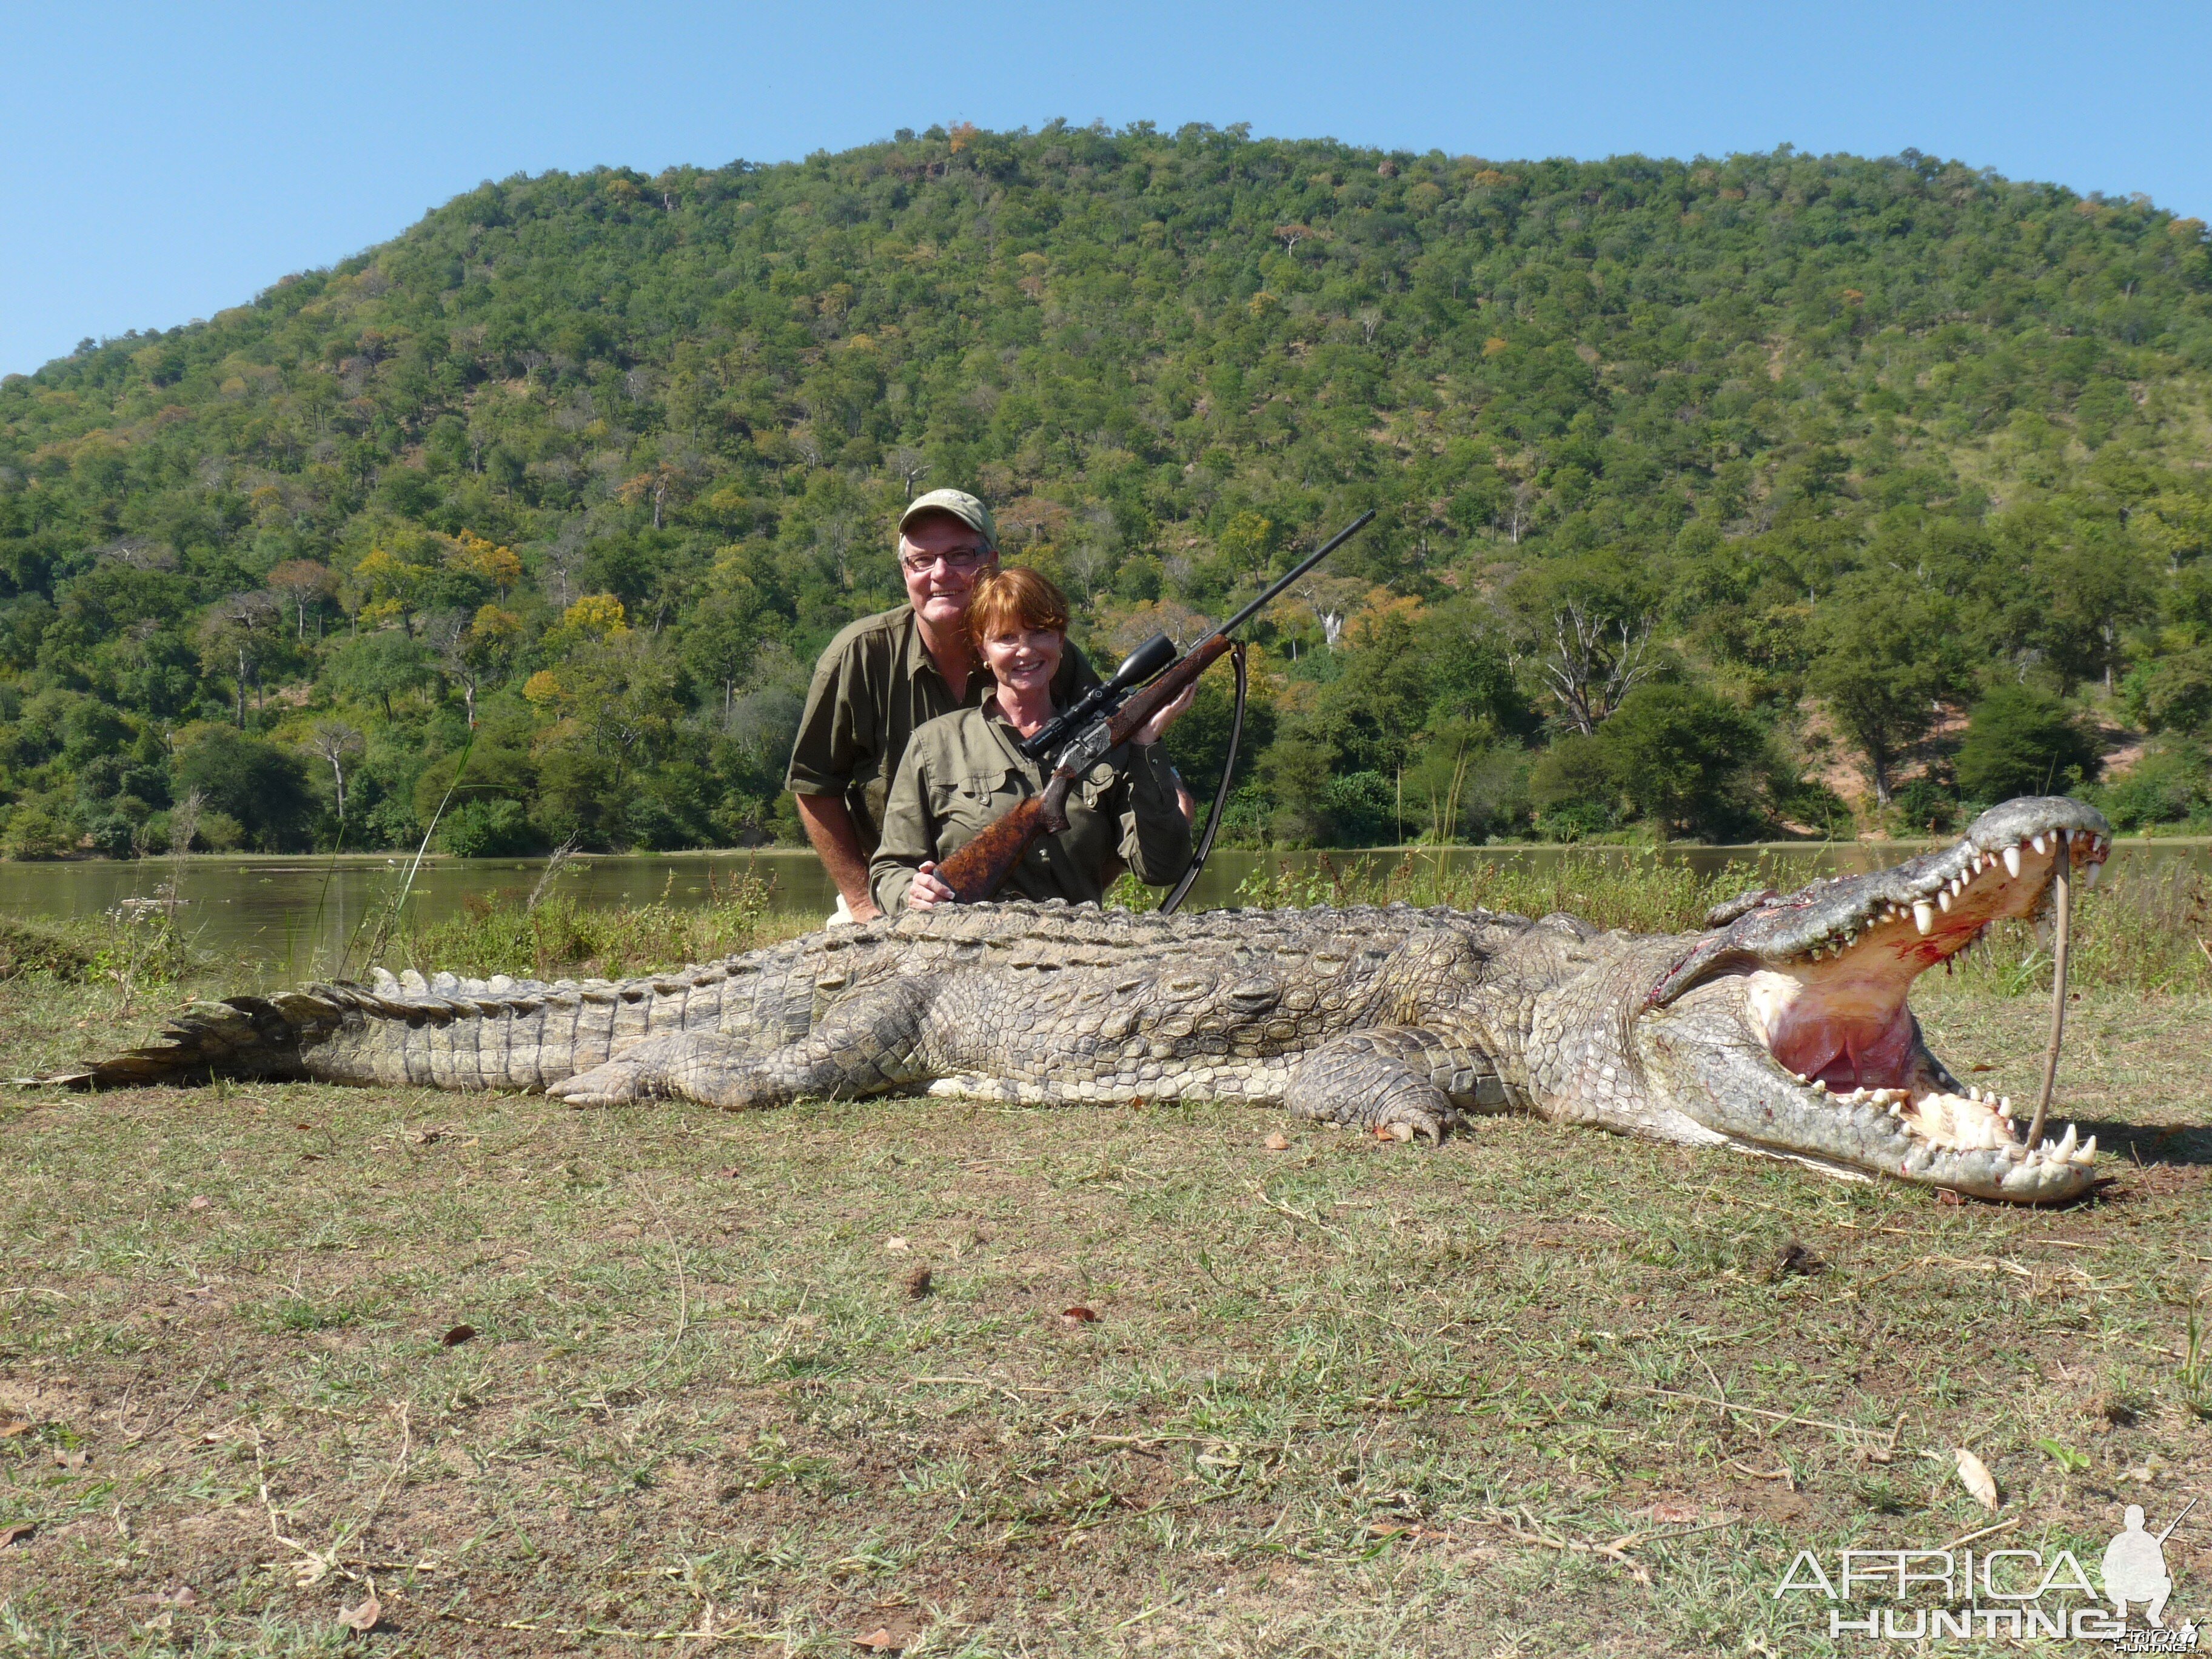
(1699, 484)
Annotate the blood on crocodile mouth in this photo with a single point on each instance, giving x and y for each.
(1834, 1014)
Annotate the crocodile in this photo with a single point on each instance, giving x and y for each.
(1781, 1027)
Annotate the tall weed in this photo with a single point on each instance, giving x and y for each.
(2148, 932)
(556, 935)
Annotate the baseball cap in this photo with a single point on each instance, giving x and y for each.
(961, 505)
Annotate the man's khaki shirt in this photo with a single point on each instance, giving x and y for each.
(965, 772)
(873, 686)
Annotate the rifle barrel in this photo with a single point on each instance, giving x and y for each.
(1298, 570)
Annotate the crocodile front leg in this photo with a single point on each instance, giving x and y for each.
(1392, 1075)
(870, 1043)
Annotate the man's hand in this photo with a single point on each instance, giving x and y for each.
(1156, 728)
(927, 893)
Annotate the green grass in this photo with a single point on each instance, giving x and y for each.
(560, 935)
(1344, 1398)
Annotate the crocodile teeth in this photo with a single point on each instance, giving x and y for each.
(1923, 916)
(2089, 876)
(1943, 899)
(2086, 1151)
(2066, 1145)
(2012, 860)
(2036, 842)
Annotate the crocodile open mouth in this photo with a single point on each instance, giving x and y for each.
(1825, 974)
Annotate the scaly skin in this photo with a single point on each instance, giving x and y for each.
(1749, 1034)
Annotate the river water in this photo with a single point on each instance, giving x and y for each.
(299, 915)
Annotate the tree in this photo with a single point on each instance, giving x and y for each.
(1681, 758)
(235, 634)
(1886, 660)
(1596, 661)
(2021, 741)
(378, 666)
(302, 583)
(262, 787)
(335, 742)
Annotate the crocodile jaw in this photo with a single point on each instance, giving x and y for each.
(1794, 1037)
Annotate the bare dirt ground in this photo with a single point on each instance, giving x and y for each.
(663, 1380)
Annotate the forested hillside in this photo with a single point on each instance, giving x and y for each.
(1716, 497)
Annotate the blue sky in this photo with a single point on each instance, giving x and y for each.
(162, 162)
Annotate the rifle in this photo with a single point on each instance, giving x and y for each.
(1152, 676)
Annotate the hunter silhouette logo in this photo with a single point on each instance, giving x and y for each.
(2135, 1566)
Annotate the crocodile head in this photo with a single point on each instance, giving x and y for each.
(1785, 1028)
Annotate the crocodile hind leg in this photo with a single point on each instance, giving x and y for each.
(869, 1043)
(1394, 1075)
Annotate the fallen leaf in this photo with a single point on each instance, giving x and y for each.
(200, 1203)
(1077, 1316)
(20, 1530)
(71, 1457)
(878, 1640)
(459, 1334)
(1277, 1142)
(8, 1431)
(732, 1172)
(212, 1437)
(897, 1246)
(916, 1283)
(1974, 1475)
(1671, 1512)
(181, 1596)
(364, 1617)
(304, 1126)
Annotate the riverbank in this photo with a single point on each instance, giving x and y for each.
(283, 920)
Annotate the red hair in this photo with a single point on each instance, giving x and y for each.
(1017, 597)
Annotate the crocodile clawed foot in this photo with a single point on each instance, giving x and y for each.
(637, 1073)
(1385, 1080)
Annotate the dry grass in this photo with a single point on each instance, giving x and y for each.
(1344, 1398)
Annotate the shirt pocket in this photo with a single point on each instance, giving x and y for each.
(1095, 786)
(969, 801)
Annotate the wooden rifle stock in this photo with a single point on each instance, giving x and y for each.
(981, 868)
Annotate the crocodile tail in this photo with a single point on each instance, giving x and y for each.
(239, 1036)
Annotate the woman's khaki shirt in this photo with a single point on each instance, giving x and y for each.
(963, 771)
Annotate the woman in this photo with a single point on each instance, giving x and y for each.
(963, 770)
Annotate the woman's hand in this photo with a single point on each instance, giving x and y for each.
(1157, 727)
(927, 893)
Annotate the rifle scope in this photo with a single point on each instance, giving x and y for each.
(1146, 660)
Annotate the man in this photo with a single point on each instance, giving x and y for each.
(884, 675)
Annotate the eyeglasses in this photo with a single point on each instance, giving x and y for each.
(955, 558)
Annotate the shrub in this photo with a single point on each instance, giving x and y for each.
(2021, 741)
(2167, 785)
(489, 830)
(35, 832)
(256, 785)
(2174, 694)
